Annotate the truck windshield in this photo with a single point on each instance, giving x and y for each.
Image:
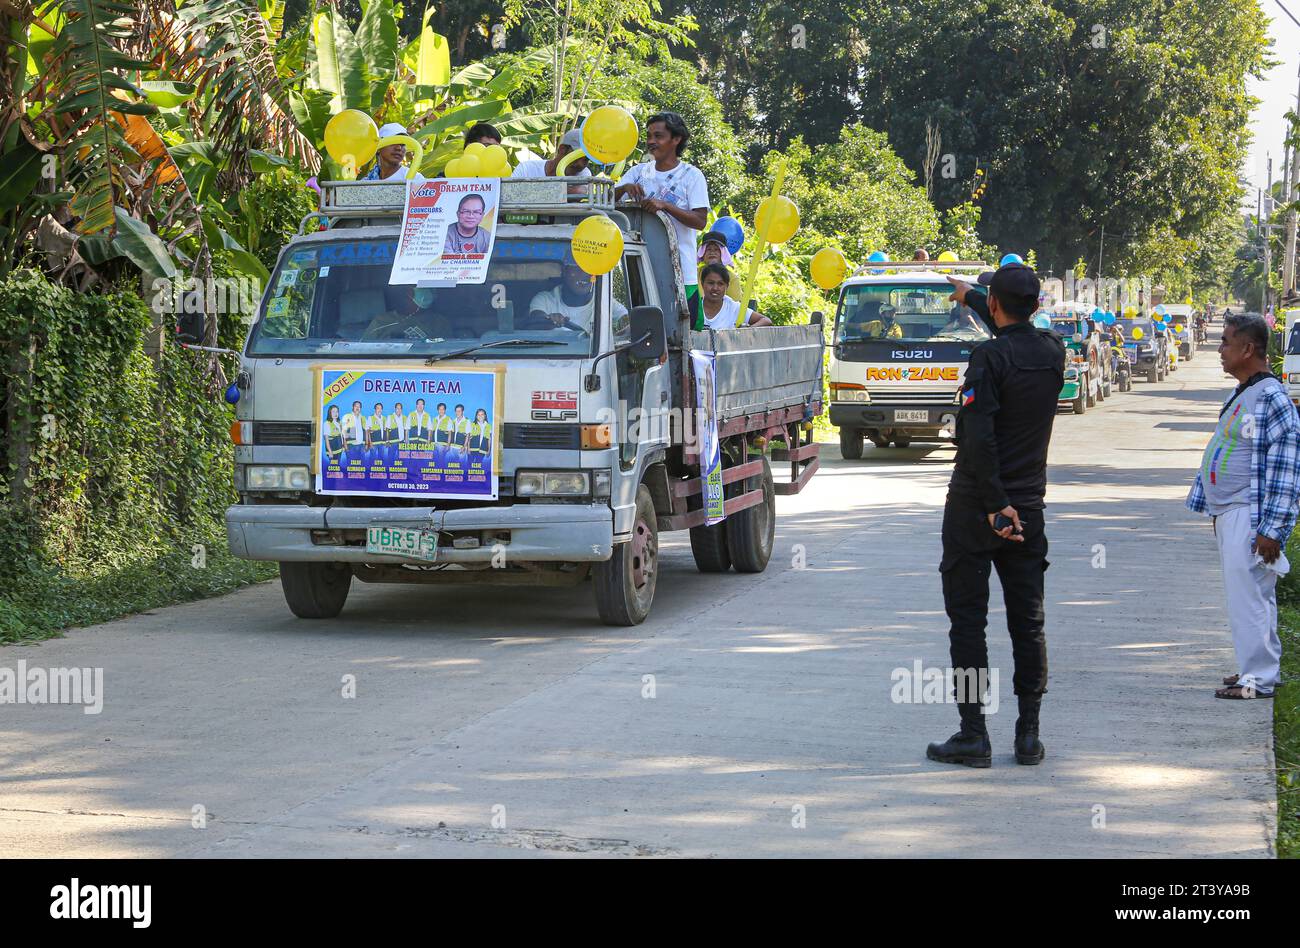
(333, 298)
(1066, 327)
(1128, 325)
(909, 312)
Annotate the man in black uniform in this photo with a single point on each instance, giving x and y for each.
(993, 517)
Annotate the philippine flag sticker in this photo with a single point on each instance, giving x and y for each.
(968, 396)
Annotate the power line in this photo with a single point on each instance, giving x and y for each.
(1287, 12)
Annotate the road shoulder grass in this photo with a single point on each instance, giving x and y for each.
(45, 605)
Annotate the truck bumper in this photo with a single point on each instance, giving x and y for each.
(865, 416)
(541, 533)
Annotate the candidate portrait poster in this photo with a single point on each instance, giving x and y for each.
(409, 432)
(448, 231)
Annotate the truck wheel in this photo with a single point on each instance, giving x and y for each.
(709, 547)
(903, 442)
(1080, 401)
(850, 444)
(1153, 373)
(625, 583)
(752, 532)
(315, 590)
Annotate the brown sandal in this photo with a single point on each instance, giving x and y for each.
(1243, 692)
(1231, 680)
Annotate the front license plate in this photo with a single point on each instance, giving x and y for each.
(910, 414)
(403, 541)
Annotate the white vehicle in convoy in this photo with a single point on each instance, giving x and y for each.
(1291, 354)
(900, 353)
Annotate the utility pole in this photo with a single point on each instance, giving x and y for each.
(1266, 227)
(1291, 192)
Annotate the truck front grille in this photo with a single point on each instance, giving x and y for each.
(911, 398)
(541, 436)
(291, 433)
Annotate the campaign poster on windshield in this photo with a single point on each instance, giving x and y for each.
(706, 426)
(409, 432)
(448, 230)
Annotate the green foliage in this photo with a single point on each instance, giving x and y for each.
(110, 459)
(269, 211)
(855, 193)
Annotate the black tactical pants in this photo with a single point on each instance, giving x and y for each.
(970, 549)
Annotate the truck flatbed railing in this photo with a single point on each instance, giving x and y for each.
(939, 266)
(342, 200)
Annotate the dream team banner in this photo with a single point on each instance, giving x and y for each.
(409, 432)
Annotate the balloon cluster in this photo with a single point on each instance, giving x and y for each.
(479, 161)
(351, 138)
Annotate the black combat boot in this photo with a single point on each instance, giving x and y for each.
(970, 745)
(1029, 749)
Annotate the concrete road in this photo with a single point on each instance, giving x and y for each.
(510, 723)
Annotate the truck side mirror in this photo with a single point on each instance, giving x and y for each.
(816, 319)
(650, 338)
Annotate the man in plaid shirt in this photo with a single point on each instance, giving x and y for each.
(1248, 483)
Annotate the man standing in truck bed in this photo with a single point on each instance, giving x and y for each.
(993, 517)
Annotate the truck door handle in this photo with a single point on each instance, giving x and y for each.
(663, 397)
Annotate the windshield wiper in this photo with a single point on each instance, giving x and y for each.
(491, 345)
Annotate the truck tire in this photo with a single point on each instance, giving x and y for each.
(752, 532)
(850, 444)
(709, 547)
(1153, 373)
(902, 442)
(315, 590)
(625, 583)
(1080, 402)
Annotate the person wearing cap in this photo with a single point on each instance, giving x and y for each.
(548, 167)
(713, 249)
(667, 183)
(389, 160)
(886, 327)
(993, 516)
(571, 303)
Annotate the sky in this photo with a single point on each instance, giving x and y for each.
(1277, 92)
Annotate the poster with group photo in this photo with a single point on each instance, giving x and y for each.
(409, 432)
(448, 231)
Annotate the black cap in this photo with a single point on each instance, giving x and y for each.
(713, 237)
(1014, 279)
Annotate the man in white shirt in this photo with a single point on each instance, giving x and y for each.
(570, 305)
(670, 185)
(547, 168)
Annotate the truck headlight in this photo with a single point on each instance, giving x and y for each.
(276, 477)
(553, 483)
(1293, 378)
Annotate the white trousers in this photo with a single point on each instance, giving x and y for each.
(1251, 588)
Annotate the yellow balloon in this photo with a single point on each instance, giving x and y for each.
(476, 148)
(501, 170)
(597, 245)
(828, 268)
(1179, 328)
(452, 169)
(947, 256)
(469, 166)
(494, 155)
(609, 134)
(777, 219)
(351, 135)
(1137, 332)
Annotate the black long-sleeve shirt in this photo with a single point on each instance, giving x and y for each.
(1009, 398)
